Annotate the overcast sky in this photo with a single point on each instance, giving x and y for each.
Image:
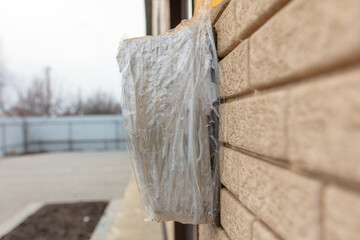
(78, 39)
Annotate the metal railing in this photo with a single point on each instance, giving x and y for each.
(38, 134)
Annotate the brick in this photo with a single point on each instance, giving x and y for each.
(260, 232)
(235, 218)
(324, 124)
(256, 124)
(221, 234)
(342, 214)
(229, 173)
(304, 37)
(234, 71)
(222, 120)
(240, 19)
(217, 11)
(211, 232)
(287, 202)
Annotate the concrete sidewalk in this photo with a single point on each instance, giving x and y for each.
(61, 177)
(129, 220)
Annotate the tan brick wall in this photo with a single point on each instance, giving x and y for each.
(260, 232)
(290, 122)
(342, 214)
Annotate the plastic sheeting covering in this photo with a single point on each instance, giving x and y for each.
(168, 85)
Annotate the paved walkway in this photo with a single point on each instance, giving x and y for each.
(61, 177)
(129, 220)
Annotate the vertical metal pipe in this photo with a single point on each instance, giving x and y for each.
(25, 136)
(163, 231)
(185, 231)
(175, 12)
(148, 13)
(184, 9)
(117, 129)
(70, 136)
(3, 137)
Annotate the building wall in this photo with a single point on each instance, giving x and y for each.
(290, 165)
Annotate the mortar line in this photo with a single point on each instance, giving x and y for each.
(255, 25)
(322, 212)
(226, 4)
(299, 79)
(313, 174)
(256, 217)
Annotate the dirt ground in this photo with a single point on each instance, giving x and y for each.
(73, 221)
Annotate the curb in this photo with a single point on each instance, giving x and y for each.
(103, 227)
(16, 220)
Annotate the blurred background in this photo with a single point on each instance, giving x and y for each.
(57, 59)
(62, 137)
(58, 69)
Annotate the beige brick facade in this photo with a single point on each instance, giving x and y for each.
(240, 19)
(257, 124)
(305, 37)
(235, 218)
(341, 214)
(234, 72)
(323, 124)
(290, 123)
(260, 232)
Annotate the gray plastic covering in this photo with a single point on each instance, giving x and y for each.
(169, 92)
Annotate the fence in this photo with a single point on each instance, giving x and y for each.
(46, 134)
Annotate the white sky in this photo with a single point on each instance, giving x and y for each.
(78, 39)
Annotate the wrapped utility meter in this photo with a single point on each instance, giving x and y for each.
(169, 89)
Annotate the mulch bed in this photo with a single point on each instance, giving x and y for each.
(74, 221)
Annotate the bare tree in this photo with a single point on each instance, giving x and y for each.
(98, 103)
(2, 83)
(37, 100)
(48, 93)
(101, 103)
(76, 106)
(2, 86)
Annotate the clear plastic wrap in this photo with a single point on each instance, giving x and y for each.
(169, 95)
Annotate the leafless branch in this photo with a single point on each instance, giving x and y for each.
(37, 100)
(98, 103)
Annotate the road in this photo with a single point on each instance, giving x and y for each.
(61, 177)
